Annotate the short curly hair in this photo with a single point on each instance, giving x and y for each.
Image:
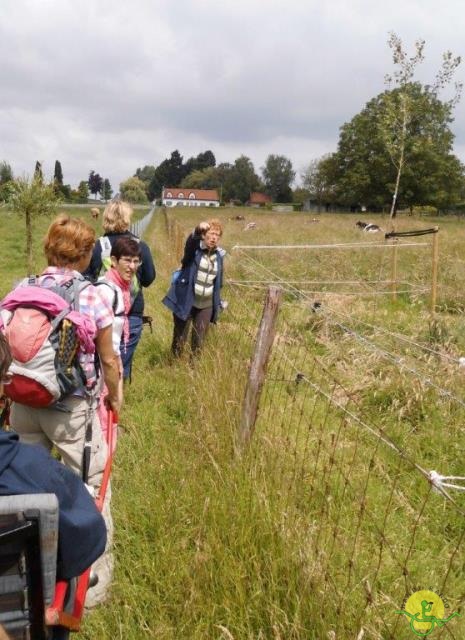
(67, 241)
(216, 225)
(117, 217)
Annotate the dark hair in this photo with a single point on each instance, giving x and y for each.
(125, 247)
(5, 355)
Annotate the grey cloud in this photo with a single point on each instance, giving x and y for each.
(113, 85)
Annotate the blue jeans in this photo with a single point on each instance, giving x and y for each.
(127, 354)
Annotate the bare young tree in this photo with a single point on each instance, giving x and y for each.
(400, 107)
(31, 199)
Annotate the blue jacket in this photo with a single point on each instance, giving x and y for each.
(81, 529)
(145, 273)
(180, 297)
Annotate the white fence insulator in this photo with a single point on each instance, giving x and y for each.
(442, 482)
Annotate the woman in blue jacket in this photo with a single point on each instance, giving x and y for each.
(194, 295)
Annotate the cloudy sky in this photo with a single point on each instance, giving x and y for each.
(113, 85)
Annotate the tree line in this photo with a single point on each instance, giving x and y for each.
(94, 185)
(233, 181)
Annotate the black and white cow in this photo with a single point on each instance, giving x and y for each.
(368, 227)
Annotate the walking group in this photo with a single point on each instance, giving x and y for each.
(67, 343)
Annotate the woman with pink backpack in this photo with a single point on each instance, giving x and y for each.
(59, 327)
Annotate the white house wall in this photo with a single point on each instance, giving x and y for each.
(189, 202)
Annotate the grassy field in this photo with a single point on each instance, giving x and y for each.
(321, 529)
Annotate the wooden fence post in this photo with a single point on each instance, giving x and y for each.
(434, 277)
(263, 344)
(394, 271)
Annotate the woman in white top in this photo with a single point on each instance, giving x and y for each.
(115, 286)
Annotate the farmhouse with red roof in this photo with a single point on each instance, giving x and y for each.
(175, 197)
(258, 199)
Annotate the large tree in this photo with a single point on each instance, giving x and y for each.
(107, 191)
(6, 172)
(133, 190)
(319, 179)
(208, 178)
(95, 183)
(401, 109)
(146, 174)
(278, 176)
(38, 173)
(83, 190)
(6, 181)
(58, 174)
(431, 174)
(169, 173)
(240, 179)
(203, 160)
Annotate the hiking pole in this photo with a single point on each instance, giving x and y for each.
(112, 420)
(87, 448)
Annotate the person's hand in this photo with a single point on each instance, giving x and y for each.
(113, 404)
(202, 228)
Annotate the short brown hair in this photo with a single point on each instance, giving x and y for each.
(67, 241)
(5, 356)
(216, 225)
(117, 217)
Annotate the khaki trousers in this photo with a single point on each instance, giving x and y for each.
(66, 431)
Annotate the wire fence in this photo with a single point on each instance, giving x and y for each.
(356, 426)
(274, 261)
(352, 470)
(139, 227)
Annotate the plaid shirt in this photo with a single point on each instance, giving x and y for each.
(91, 303)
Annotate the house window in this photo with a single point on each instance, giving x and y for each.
(169, 194)
(168, 203)
(192, 196)
(180, 195)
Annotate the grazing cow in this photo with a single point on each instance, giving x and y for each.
(368, 227)
(95, 212)
(237, 218)
(250, 225)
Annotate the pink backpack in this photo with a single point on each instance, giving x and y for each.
(46, 332)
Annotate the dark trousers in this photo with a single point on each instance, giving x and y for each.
(127, 353)
(200, 319)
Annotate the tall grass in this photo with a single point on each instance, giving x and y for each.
(318, 528)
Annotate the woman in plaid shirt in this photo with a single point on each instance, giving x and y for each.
(68, 248)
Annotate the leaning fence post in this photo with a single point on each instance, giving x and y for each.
(434, 278)
(257, 370)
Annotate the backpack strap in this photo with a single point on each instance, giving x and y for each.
(71, 290)
(105, 245)
(114, 288)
